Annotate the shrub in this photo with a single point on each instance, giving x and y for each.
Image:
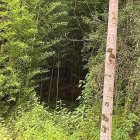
(36, 125)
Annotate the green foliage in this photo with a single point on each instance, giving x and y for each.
(30, 30)
(4, 133)
(37, 32)
(123, 128)
(127, 70)
(138, 136)
(36, 125)
(81, 123)
(10, 89)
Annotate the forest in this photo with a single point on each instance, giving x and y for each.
(69, 69)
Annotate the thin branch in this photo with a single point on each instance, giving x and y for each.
(77, 18)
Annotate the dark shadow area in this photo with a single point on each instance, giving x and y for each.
(64, 89)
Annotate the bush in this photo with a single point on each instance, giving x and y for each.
(36, 125)
(4, 134)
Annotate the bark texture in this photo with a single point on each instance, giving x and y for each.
(107, 107)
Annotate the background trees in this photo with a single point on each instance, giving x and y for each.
(41, 38)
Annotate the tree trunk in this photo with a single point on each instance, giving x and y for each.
(107, 107)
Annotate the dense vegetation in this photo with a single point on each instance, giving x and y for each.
(52, 68)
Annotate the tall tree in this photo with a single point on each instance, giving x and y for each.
(107, 107)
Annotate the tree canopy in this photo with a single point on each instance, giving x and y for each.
(52, 56)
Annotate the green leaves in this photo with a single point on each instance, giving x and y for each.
(4, 133)
(123, 127)
(36, 124)
(36, 32)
